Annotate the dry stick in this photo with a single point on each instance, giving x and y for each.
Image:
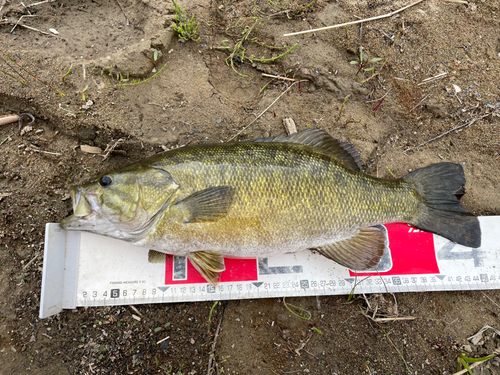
(490, 299)
(264, 111)
(355, 22)
(432, 79)
(32, 28)
(137, 311)
(8, 119)
(278, 77)
(25, 7)
(377, 100)
(419, 103)
(382, 320)
(19, 20)
(461, 127)
(31, 261)
(39, 3)
(32, 148)
(370, 78)
(212, 352)
(110, 148)
(128, 23)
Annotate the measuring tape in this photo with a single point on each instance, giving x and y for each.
(84, 269)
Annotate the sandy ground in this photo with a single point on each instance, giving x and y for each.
(197, 98)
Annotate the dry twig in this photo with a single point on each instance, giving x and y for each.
(278, 77)
(432, 79)
(36, 149)
(419, 103)
(355, 22)
(461, 127)
(289, 125)
(457, 1)
(39, 3)
(110, 148)
(32, 28)
(125, 14)
(379, 99)
(212, 352)
(19, 20)
(32, 260)
(137, 311)
(8, 119)
(264, 111)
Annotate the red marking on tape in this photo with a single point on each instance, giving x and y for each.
(237, 269)
(412, 252)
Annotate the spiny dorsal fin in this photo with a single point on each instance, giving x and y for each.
(209, 264)
(320, 139)
(359, 252)
(208, 204)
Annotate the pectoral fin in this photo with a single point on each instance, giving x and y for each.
(359, 252)
(208, 204)
(209, 264)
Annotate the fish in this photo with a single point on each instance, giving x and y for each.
(266, 197)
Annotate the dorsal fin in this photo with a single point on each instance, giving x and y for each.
(320, 139)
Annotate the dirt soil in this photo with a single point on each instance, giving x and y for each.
(198, 98)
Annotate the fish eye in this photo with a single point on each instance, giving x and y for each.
(105, 180)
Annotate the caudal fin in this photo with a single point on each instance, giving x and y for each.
(442, 213)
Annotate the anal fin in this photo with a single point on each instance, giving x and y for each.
(360, 252)
(156, 257)
(209, 264)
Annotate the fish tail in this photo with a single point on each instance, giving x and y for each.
(441, 211)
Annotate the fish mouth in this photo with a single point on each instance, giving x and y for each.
(82, 209)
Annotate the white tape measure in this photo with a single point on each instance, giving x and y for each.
(83, 269)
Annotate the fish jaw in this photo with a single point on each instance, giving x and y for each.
(85, 211)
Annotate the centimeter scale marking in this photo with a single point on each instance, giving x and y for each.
(109, 297)
(83, 269)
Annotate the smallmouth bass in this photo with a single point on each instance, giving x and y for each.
(267, 197)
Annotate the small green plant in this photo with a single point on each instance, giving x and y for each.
(126, 81)
(22, 79)
(299, 312)
(154, 61)
(237, 54)
(210, 315)
(365, 64)
(67, 73)
(342, 107)
(464, 362)
(83, 92)
(184, 26)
